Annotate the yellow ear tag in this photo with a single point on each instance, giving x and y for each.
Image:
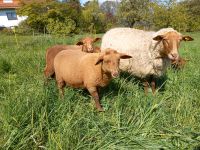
(186, 38)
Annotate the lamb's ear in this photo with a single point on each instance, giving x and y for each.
(79, 43)
(158, 37)
(96, 39)
(99, 60)
(187, 38)
(124, 56)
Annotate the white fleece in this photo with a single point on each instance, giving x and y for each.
(140, 45)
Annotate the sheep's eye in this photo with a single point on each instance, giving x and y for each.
(166, 41)
(107, 61)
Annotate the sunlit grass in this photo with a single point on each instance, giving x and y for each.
(33, 117)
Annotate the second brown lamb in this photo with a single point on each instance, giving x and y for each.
(86, 45)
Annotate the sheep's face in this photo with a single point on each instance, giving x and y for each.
(110, 61)
(88, 44)
(171, 42)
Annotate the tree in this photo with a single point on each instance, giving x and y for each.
(94, 18)
(193, 10)
(54, 17)
(178, 17)
(68, 16)
(109, 7)
(110, 10)
(132, 11)
(170, 13)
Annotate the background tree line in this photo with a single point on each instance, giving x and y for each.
(70, 17)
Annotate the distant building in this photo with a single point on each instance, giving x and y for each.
(8, 16)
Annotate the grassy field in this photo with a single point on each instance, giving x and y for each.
(33, 117)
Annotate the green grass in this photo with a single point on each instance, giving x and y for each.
(33, 117)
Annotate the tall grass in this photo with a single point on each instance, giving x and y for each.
(33, 117)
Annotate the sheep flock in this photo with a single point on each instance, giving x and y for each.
(143, 54)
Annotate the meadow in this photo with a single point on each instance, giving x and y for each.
(32, 116)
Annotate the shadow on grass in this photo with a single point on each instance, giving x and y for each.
(112, 88)
(52, 92)
(110, 91)
(160, 82)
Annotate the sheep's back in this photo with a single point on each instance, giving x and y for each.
(132, 42)
(67, 67)
(54, 50)
(77, 68)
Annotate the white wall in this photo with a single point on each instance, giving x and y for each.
(4, 22)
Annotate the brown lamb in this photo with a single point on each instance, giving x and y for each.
(86, 45)
(87, 70)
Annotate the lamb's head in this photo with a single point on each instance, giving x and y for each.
(110, 61)
(88, 44)
(171, 41)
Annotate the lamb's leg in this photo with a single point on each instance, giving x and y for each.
(95, 96)
(61, 85)
(98, 89)
(48, 73)
(146, 86)
(153, 86)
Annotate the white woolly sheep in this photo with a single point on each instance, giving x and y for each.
(151, 51)
(87, 70)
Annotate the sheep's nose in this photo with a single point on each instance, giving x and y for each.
(90, 49)
(174, 55)
(115, 74)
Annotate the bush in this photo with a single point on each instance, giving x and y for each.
(24, 28)
(7, 31)
(58, 27)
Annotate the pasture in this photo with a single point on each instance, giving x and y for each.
(32, 116)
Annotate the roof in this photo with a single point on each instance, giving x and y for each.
(15, 4)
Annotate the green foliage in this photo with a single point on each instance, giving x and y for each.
(61, 28)
(24, 29)
(53, 17)
(33, 117)
(94, 18)
(34, 11)
(183, 16)
(193, 10)
(132, 11)
(178, 17)
(110, 10)
(67, 17)
(172, 14)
